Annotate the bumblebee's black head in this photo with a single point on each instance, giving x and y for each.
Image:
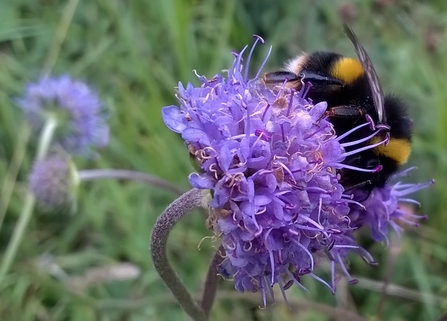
(342, 70)
(336, 79)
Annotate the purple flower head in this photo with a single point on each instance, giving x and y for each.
(270, 158)
(51, 181)
(77, 109)
(383, 208)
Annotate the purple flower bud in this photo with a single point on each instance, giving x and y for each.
(78, 110)
(51, 182)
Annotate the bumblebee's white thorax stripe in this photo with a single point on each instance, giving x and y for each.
(296, 64)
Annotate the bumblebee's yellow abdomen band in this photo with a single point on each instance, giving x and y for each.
(347, 70)
(397, 149)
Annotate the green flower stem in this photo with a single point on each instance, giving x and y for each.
(59, 38)
(46, 136)
(95, 174)
(27, 210)
(212, 281)
(13, 170)
(159, 238)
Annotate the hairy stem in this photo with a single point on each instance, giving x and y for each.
(212, 281)
(95, 174)
(443, 317)
(159, 238)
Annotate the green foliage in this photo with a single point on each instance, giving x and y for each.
(134, 53)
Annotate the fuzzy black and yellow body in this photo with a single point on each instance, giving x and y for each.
(352, 90)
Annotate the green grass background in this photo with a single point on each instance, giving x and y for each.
(133, 53)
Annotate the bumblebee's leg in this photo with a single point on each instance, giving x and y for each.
(363, 187)
(358, 185)
(280, 77)
(346, 111)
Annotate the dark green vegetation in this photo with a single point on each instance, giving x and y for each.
(134, 53)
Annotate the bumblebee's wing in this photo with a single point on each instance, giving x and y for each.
(373, 80)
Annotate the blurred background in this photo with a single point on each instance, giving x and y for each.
(93, 262)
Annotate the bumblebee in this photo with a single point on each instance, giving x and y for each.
(352, 91)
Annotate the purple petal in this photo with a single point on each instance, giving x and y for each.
(173, 118)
